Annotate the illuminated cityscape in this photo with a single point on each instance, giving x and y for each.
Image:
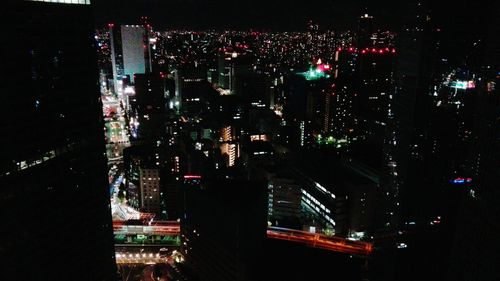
(213, 141)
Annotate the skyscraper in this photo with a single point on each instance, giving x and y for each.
(233, 65)
(475, 244)
(130, 53)
(365, 30)
(233, 248)
(54, 197)
(409, 116)
(148, 106)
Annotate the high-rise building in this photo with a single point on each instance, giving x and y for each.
(224, 228)
(285, 198)
(134, 52)
(224, 68)
(192, 91)
(130, 52)
(339, 121)
(415, 153)
(475, 246)
(229, 145)
(373, 84)
(321, 106)
(365, 31)
(148, 107)
(409, 118)
(138, 157)
(375, 70)
(310, 104)
(234, 65)
(54, 193)
(150, 190)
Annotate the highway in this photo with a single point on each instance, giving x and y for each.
(171, 228)
(139, 258)
(115, 185)
(120, 210)
(331, 243)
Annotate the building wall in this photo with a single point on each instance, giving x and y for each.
(284, 198)
(150, 190)
(224, 228)
(133, 50)
(54, 191)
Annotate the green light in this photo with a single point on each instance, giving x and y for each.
(314, 74)
(332, 141)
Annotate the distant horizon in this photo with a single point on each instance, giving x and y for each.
(279, 15)
(220, 15)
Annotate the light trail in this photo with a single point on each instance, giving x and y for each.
(171, 228)
(332, 243)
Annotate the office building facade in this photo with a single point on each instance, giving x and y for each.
(54, 196)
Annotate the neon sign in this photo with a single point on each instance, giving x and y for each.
(463, 85)
(461, 180)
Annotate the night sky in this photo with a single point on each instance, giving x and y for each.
(465, 16)
(276, 14)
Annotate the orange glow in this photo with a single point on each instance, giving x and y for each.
(332, 243)
(156, 227)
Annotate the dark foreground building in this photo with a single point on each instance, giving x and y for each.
(224, 228)
(54, 203)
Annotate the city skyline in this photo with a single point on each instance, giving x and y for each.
(206, 140)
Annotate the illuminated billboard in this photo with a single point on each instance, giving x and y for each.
(463, 85)
(461, 180)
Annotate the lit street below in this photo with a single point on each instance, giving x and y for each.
(335, 244)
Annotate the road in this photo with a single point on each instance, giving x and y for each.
(332, 243)
(120, 210)
(156, 228)
(139, 258)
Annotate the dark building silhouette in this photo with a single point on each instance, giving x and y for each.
(234, 65)
(440, 153)
(365, 31)
(149, 107)
(194, 93)
(409, 117)
(475, 244)
(310, 105)
(224, 228)
(286, 260)
(54, 196)
(136, 158)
